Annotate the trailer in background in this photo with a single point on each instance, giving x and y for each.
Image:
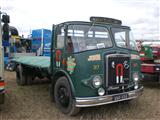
(150, 57)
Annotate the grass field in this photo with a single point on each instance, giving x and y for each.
(33, 102)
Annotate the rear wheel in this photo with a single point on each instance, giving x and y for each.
(29, 79)
(21, 76)
(2, 97)
(64, 98)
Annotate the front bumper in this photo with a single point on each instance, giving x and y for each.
(107, 99)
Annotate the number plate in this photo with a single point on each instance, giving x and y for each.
(120, 97)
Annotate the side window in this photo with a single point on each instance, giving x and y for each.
(60, 39)
(120, 38)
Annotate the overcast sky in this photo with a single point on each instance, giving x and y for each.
(142, 15)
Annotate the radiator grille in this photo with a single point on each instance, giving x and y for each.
(118, 70)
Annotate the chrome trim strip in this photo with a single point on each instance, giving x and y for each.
(107, 99)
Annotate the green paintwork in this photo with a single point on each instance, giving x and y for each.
(84, 71)
(148, 54)
(136, 65)
(35, 61)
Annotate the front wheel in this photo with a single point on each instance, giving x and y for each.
(63, 97)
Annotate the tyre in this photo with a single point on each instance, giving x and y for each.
(2, 97)
(21, 76)
(64, 98)
(29, 79)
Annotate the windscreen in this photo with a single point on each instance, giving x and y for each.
(85, 37)
(124, 38)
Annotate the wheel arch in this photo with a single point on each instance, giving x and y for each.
(61, 73)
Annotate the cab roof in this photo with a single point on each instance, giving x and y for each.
(96, 23)
(99, 21)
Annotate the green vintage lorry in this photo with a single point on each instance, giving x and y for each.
(91, 63)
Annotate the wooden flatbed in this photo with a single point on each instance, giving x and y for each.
(34, 61)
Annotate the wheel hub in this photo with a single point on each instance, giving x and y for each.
(63, 96)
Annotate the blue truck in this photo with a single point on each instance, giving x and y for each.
(41, 42)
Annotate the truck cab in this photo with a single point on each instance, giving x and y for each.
(93, 63)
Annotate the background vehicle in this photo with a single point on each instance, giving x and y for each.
(3, 36)
(41, 42)
(38, 44)
(150, 57)
(91, 63)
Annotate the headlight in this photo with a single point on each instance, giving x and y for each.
(135, 77)
(97, 81)
(136, 86)
(101, 91)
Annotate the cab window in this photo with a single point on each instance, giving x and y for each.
(60, 39)
(85, 37)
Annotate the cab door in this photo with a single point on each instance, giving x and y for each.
(57, 57)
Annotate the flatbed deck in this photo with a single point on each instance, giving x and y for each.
(34, 61)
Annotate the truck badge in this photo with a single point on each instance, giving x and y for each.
(113, 64)
(119, 73)
(96, 67)
(96, 57)
(58, 58)
(71, 64)
(125, 64)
